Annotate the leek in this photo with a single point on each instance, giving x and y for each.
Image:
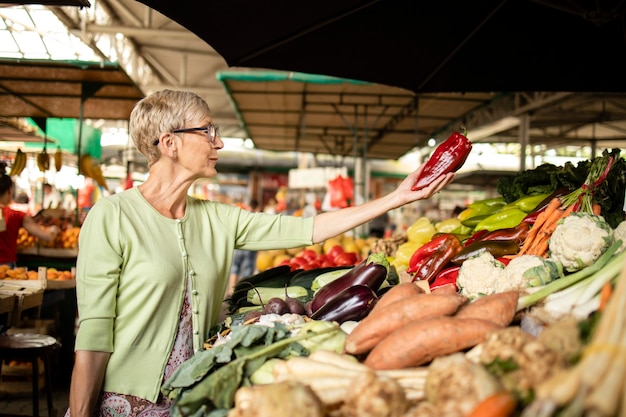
(585, 277)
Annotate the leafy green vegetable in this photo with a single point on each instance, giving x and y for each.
(548, 177)
(540, 180)
(208, 381)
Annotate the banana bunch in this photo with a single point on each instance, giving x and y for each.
(19, 163)
(43, 161)
(58, 159)
(92, 170)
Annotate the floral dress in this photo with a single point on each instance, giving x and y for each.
(112, 404)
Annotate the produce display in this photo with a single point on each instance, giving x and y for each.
(66, 238)
(21, 273)
(513, 308)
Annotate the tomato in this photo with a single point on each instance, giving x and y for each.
(345, 259)
(334, 251)
(308, 254)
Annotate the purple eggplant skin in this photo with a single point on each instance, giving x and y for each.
(371, 272)
(353, 303)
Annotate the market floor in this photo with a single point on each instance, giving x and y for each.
(22, 404)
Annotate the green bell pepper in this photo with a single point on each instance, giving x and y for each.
(503, 219)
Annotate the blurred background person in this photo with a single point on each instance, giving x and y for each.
(51, 197)
(13, 220)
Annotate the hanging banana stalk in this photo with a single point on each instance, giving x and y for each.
(58, 159)
(19, 163)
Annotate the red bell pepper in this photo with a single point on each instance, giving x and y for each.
(476, 236)
(504, 260)
(449, 156)
(446, 276)
(427, 249)
(429, 267)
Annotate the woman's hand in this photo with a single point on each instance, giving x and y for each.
(405, 195)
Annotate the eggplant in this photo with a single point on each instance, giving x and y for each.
(353, 303)
(370, 272)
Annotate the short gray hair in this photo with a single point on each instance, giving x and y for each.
(163, 111)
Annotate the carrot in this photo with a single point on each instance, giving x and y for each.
(597, 210)
(378, 324)
(500, 404)
(605, 295)
(540, 245)
(554, 204)
(421, 341)
(498, 308)
(397, 292)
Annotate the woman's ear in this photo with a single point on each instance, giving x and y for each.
(167, 139)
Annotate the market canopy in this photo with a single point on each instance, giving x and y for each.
(81, 90)
(12, 130)
(287, 111)
(422, 46)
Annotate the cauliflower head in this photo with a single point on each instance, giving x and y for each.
(478, 275)
(528, 271)
(579, 240)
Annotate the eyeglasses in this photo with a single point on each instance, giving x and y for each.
(211, 131)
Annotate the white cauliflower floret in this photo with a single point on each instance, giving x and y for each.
(579, 240)
(619, 233)
(527, 271)
(478, 275)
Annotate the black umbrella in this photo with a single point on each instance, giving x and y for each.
(421, 45)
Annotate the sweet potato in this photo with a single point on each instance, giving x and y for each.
(398, 292)
(382, 322)
(421, 341)
(498, 308)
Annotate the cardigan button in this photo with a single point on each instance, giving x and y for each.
(194, 292)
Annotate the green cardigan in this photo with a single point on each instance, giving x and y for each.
(132, 269)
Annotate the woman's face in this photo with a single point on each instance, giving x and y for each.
(197, 152)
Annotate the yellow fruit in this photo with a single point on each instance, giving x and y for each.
(276, 252)
(279, 259)
(58, 159)
(43, 161)
(264, 260)
(19, 163)
(329, 243)
(316, 247)
(351, 247)
(360, 242)
(293, 251)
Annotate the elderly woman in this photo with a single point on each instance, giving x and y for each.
(154, 263)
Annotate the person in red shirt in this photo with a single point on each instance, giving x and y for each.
(12, 220)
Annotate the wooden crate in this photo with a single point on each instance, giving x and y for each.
(18, 378)
(26, 299)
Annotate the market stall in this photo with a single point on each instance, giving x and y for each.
(502, 307)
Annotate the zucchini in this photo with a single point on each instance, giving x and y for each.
(305, 278)
(267, 293)
(277, 277)
(327, 278)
